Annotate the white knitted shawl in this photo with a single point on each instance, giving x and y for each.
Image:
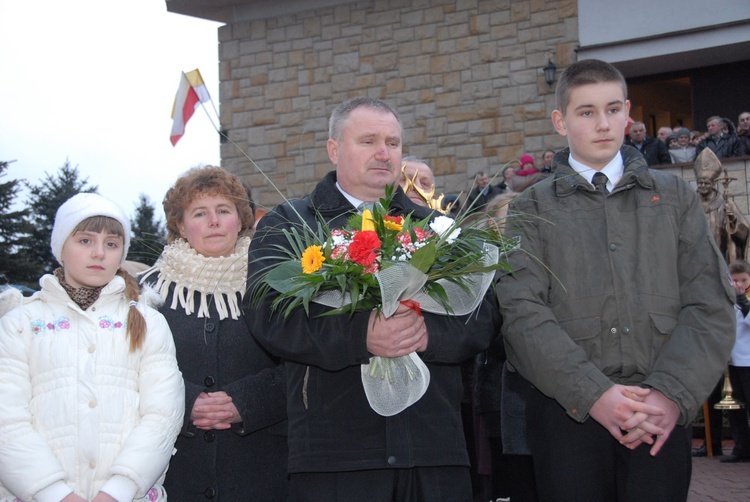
(190, 272)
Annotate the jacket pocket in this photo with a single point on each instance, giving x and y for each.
(663, 325)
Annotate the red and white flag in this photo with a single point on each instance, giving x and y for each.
(191, 93)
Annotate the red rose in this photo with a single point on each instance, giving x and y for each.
(363, 247)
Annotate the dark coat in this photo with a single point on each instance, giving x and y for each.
(500, 398)
(654, 151)
(744, 137)
(726, 145)
(248, 461)
(331, 425)
(479, 197)
(488, 371)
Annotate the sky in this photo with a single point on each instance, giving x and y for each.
(93, 82)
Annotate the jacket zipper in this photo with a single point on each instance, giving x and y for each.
(304, 386)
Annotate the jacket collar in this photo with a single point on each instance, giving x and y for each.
(52, 291)
(647, 140)
(329, 201)
(567, 180)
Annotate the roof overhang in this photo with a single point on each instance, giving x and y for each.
(668, 52)
(234, 11)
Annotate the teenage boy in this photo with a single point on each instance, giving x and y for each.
(618, 292)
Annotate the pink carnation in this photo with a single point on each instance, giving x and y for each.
(372, 269)
(421, 234)
(339, 252)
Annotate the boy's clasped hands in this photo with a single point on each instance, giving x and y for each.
(635, 415)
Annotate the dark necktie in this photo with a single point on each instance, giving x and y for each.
(600, 182)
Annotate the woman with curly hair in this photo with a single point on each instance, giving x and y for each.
(232, 445)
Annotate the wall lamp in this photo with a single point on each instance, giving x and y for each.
(549, 72)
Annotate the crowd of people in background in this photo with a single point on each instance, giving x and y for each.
(670, 145)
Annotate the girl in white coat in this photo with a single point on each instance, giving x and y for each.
(92, 398)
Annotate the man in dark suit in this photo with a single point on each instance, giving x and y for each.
(654, 151)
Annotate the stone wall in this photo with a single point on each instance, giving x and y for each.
(465, 76)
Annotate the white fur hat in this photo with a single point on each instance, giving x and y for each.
(78, 208)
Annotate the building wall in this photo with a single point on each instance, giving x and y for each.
(465, 76)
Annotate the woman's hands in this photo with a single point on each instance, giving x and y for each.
(214, 410)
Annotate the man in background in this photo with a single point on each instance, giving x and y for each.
(416, 174)
(723, 144)
(547, 161)
(663, 133)
(654, 151)
(482, 193)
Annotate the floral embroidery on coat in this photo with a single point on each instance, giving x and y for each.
(37, 326)
(155, 494)
(59, 324)
(106, 322)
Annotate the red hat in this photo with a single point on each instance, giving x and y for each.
(526, 159)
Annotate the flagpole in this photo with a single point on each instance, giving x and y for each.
(209, 115)
(214, 107)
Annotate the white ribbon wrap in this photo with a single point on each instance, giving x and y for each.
(392, 384)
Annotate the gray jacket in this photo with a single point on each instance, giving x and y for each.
(628, 288)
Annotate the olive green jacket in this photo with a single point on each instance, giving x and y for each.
(629, 288)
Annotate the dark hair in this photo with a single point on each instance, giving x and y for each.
(342, 112)
(100, 224)
(584, 72)
(730, 125)
(202, 181)
(739, 267)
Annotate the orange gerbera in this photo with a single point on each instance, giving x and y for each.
(312, 259)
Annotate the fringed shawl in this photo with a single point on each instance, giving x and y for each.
(224, 278)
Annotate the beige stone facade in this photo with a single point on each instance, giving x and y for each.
(465, 76)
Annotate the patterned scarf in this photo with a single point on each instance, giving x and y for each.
(83, 296)
(217, 280)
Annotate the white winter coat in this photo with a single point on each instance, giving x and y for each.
(78, 410)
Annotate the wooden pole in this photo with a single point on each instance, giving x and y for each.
(707, 427)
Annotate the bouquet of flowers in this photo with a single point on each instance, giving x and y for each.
(378, 261)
